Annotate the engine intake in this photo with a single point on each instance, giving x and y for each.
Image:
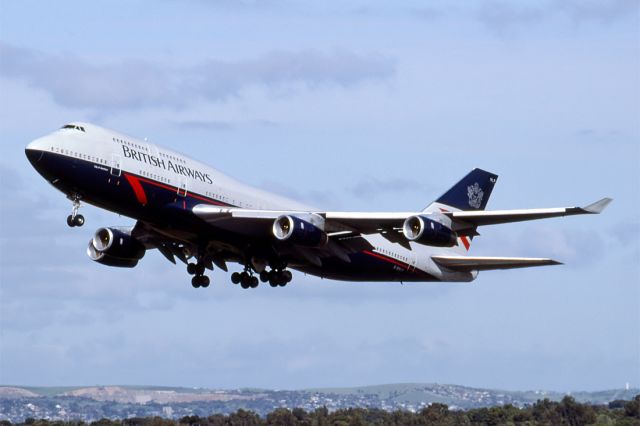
(114, 247)
(299, 232)
(424, 230)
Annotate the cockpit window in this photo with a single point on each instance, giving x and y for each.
(73, 126)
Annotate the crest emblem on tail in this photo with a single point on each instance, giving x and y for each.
(475, 194)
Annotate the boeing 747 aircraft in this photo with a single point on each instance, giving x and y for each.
(192, 212)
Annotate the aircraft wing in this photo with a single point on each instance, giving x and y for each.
(336, 222)
(467, 219)
(249, 221)
(466, 264)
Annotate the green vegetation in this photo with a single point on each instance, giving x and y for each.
(543, 412)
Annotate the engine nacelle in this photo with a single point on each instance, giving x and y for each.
(114, 247)
(424, 230)
(300, 232)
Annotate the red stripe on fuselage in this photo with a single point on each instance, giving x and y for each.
(172, 188)
(158, 184)
(465, 240)
(137, 188)
(385, 258)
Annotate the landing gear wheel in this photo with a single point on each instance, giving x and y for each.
(195, 281)
(274, 278)
(236, 277)
(78, 220)
(200, 281)
(279, 278)
(75, 219)
(191, 269)
(254, 282)
(246, 280)
(264, 276)
(205, 281)
(200, 269)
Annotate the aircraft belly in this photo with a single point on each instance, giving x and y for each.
(366, 266)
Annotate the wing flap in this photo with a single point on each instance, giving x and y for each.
(466, 264)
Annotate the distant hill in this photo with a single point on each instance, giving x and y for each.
(15, 392)
(467, 397)
(95, 402)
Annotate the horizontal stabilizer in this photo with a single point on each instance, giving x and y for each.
(466, 264)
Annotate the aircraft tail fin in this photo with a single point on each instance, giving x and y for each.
(472, 192)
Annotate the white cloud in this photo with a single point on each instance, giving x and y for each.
(501, 16)
(77, 82)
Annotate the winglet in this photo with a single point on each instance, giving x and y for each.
(598, 206)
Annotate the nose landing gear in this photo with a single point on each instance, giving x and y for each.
(75, 219)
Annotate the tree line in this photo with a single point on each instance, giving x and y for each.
(543, 412)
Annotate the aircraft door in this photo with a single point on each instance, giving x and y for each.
(153, 150)
(413, 262)
(116, 165)
(182, 187)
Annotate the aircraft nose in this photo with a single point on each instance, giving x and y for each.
(33, 155)
(35, 150)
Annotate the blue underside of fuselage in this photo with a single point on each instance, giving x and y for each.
(161, 205)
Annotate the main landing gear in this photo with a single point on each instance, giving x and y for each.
(275, 277)
(278, 276)
(199, 278)
(75, 219)
(246, 279)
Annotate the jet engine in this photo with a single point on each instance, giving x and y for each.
(300, 232)
(115, 247)
(424, 230)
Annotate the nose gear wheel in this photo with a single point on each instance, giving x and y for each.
(75, 219)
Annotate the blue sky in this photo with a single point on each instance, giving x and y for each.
(350, 105)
